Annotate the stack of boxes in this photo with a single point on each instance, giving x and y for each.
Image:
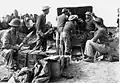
(25, 58)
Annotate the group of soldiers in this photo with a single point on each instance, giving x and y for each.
(27, 21)
(98, 38)
(65, 30)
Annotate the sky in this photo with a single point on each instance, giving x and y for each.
(107, 9)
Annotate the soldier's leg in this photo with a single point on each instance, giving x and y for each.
(61, 44)
(57, 42)
(67, 45)
(91, 47)
(88, 49)
(44, 44)
(8, 55)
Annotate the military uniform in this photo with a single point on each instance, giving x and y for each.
(65, 37)
(100, 42)
(8, 40)
(101, 46)
(41, 29)
(89, 25)
(61, 20)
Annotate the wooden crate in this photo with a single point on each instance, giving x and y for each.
(29, 59)
(22, 59)
(76, 42)
(33, 57)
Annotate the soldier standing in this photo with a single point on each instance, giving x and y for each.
(65, 37)
(61, 20)
(41, 29)
(89, 25)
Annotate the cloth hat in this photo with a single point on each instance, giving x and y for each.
(88, 13)
(65, 10)
(72, 17)
(45, 8)
(76, 16)
(100, 20)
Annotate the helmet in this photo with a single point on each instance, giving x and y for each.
(15, 22)
(65, 10)
(99, 20)
(76, 16)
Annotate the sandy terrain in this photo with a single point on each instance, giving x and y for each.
(85, 72)
(98, 72)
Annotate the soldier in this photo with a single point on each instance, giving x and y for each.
(89, 24)
(9, 39)
(29, 24)
(50, 36)
(100, 41)
(61, 20)
(65, 37)
(41, 29)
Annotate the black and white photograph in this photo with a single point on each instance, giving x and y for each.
(59, 41)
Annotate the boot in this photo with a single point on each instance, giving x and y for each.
(89, 59)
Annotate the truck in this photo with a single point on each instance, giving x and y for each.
(79, 11)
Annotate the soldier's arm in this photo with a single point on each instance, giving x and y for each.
(97, 35)
(6, 42)
(74, 29)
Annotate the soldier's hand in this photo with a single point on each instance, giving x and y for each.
(92, 32)
(16, 47)
(41, 34)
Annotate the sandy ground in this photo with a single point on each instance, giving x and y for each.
(85, 72)
(98, 72)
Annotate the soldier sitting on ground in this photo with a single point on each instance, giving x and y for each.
(9, 39)
(100, 42)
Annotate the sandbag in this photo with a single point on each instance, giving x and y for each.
(42, 72)
(25, 75)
